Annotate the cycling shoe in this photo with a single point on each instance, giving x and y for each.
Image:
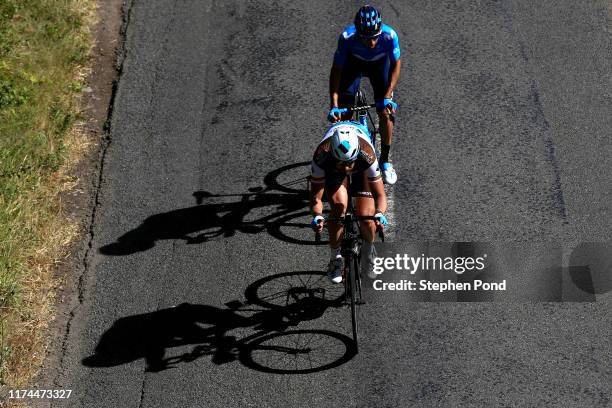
(389, 174)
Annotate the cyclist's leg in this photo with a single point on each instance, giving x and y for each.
(350, 80)
(338, 199)
(365, 206)
(379, 75)
(335, 189)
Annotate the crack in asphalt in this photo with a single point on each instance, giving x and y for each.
(106, 140)
(539, 118)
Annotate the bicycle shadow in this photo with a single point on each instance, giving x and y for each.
(207, 328)
(206, 221)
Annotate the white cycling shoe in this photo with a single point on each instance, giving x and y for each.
(334, 270)
(389, 174)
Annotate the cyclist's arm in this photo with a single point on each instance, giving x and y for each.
(376, 186)
(317, 187)
(336, 70)
(395, 54)
(316, 198)
(378, 192)
(394, 77)
(334, 84)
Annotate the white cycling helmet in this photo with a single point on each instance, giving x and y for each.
(345, 143)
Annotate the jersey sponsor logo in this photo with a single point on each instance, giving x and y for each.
(369, 159)
(366, 151)
(324, 147)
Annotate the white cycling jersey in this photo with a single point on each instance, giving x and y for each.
(324, 162)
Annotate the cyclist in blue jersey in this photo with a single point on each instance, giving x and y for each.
(368, 48)
(344, 152)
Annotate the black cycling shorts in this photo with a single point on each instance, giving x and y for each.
(378, 72)
(359, 185)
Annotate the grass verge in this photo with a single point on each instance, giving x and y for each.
(44, 46)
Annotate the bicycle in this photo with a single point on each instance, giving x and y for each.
(351, 238)
(351, 253)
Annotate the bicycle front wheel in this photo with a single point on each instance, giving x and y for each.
(352, 283)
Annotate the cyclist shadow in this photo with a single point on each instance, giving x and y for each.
(149, 335)
(207, 328)
(209, 220)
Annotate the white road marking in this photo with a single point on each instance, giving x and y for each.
(390, 231)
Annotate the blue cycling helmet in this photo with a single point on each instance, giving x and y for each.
(368, 22)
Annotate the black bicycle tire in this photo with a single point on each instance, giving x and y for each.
(353, 294)
(358, 279)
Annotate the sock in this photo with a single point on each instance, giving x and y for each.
(384, 153)
(334, 253)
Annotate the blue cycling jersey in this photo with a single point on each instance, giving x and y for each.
(350, 44)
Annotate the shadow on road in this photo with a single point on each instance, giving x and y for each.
(273, 345)
(591, 267)
(283, 203)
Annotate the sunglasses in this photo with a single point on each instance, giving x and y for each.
(371, 37)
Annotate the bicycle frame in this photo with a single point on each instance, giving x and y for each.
(364, 118)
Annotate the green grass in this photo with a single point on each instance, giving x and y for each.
(42, 45)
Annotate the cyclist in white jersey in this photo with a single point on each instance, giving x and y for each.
(346, 151)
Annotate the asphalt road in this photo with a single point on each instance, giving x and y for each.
(502, 142)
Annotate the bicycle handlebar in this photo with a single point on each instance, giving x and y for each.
(363, 108)
(381, 232)
(358, 108)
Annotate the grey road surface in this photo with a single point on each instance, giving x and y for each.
(200, 230)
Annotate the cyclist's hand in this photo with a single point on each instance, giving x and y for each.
(381, 220)
(387, 103)
(317, 223)
(334, 114)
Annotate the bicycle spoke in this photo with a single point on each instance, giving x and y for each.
(293, 288)
(302, 282)
(274, 296)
